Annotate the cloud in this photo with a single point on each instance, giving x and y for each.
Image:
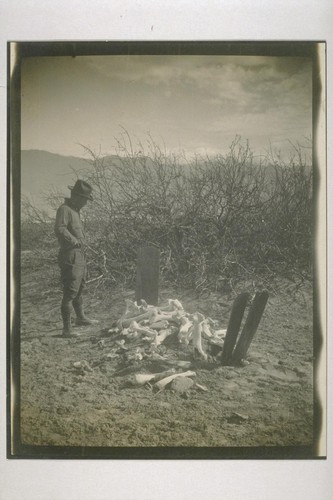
(147, 70)
(236, 84)
(193, 102)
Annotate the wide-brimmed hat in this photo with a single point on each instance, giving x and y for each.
(82, 188)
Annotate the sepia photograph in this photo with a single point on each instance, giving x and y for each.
(167, 229)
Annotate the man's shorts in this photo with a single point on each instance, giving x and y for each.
(73, 269)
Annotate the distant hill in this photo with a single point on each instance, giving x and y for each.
(42, 171)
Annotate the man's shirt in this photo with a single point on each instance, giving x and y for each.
(68, 226)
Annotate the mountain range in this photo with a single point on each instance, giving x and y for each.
(42, 171)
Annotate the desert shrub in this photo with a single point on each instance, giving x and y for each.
(36, 228)
(215, 220)
(289, 218)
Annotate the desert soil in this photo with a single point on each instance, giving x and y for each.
(267, 402)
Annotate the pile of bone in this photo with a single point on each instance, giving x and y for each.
(153, 325)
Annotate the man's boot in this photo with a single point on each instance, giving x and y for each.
(66, 309)
(81, 318)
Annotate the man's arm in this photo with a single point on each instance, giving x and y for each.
(61, 227)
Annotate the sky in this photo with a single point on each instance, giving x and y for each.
(195, 104)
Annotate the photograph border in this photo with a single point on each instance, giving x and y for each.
(19, 50)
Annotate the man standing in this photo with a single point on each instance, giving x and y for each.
(71, 258)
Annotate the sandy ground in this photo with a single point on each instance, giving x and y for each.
(267, 402)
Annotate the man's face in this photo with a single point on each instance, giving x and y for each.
(79, 201)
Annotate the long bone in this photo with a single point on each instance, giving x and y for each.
(211, 322)
(165, 381)
(159, 325)
(206, 329)
(220, 334)
(173, 304)
(144, 378)
(125, 322)
(135, 327)
(136, 356)
(132, 309)
(145, 306)
(198, 318)
(184, 330)
(163, 335)
(168, 316)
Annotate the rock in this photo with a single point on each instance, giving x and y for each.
(300, 372)
(201, 387)
(82, 366)
(181, 384)
(237, 418)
